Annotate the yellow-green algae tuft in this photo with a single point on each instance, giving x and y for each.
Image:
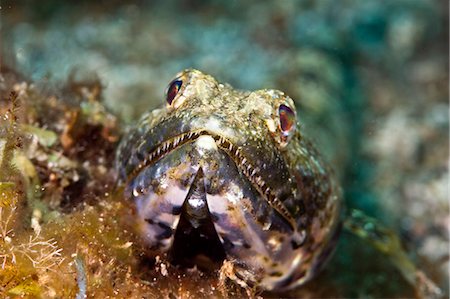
(64, 231)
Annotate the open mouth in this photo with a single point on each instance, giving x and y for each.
(196, 241)
(243, 163)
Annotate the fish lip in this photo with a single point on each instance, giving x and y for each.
(234, 151)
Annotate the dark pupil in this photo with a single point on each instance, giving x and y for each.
(286, 115)
(173, 90)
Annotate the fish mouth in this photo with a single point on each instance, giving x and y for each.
(235, 152)
(196, 241)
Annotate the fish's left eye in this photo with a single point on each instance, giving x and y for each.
(172, 90)
(287, 121)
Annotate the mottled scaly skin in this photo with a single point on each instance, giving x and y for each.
(215, 150)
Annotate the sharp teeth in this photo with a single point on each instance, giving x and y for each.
(258, 180)
(243, 161)
(253, 172)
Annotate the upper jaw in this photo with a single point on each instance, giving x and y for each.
(263, 167)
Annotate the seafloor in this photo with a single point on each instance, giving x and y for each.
(370, 81)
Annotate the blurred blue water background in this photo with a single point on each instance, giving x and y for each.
(370, 79)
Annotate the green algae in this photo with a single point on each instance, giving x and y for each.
(66, 231)
(396, 70)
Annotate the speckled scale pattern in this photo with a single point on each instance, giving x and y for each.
(274, 202)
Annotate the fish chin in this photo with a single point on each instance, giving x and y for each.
(195, 202)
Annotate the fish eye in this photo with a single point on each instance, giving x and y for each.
(172, 90)
(287, 122)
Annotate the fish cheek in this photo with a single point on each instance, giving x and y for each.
(253, 236)
(158, 193)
